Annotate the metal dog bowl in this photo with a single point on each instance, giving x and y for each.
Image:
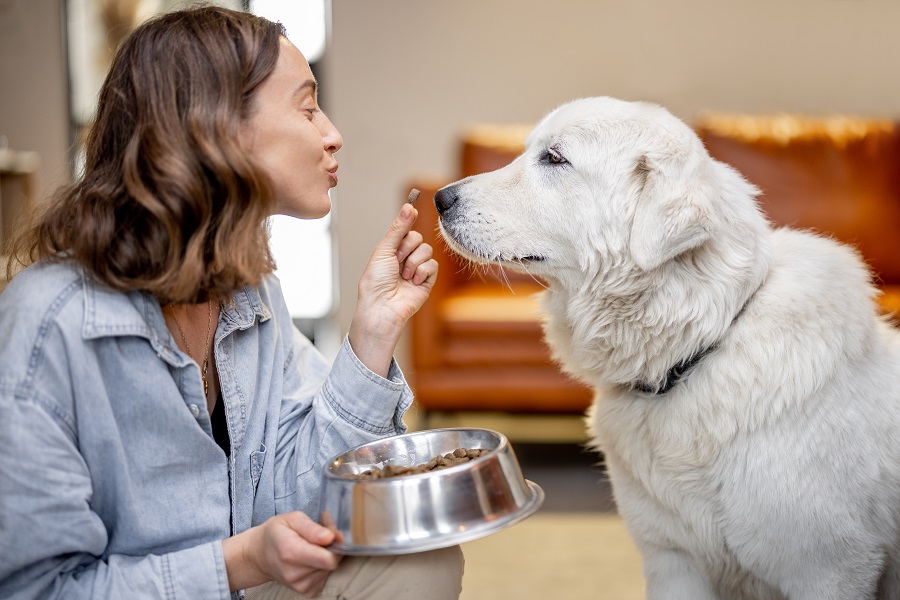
(427, 511)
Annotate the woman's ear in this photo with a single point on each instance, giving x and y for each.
(672, 212)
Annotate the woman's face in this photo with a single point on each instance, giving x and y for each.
(291, 139)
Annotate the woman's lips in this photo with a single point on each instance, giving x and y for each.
(334, 179)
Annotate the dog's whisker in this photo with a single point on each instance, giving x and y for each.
(483, 272)
(533, 277)
(468, 265)
(504, 277)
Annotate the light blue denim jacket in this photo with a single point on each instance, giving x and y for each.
(111, 485)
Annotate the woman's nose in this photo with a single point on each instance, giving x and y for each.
(331, 136)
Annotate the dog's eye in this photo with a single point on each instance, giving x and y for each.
(554, 157)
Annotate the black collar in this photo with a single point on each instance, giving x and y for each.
(675, 374)
(684, 366)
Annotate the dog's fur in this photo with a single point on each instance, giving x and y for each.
(771, 470)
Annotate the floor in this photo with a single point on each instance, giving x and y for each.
(555, 556)
(571, 476)
(576, 546)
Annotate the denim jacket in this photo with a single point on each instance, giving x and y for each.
(111, 484)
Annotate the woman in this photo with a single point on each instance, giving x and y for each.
(164, 425)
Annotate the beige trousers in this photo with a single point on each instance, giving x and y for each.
(435, 575)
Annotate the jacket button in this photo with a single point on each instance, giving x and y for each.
(195, 410)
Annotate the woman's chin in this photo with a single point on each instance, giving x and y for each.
(305, 212)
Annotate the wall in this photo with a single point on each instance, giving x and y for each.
(33, 88)
(404, 76)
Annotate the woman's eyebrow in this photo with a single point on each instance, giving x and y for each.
(308, 86)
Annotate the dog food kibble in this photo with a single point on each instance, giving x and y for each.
(457, 457)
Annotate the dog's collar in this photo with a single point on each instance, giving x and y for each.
(683, 367)
(675, 374)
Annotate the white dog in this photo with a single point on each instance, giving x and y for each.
(747, 394)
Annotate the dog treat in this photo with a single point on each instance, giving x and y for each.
(457, 457)
(413, 196)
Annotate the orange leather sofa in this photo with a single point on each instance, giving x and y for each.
(836, 175)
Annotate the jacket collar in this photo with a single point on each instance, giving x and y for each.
(108, 313)
(245, 307)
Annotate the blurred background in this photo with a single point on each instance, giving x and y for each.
(413, 84)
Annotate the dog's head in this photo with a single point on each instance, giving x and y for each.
(603, 185)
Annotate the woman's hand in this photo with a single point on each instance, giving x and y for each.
(288, 548)
(393, 286)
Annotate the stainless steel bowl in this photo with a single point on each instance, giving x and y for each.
(437, 509)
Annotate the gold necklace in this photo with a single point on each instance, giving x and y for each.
(205, 367)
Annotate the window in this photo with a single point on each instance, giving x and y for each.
(303, 20)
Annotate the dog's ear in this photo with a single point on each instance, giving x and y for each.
(671, 216)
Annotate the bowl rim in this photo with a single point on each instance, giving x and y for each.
(503, 443)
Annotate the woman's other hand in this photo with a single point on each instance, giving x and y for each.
(288, 548)
(394, 285)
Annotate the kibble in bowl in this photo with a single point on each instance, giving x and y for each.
(451, 459)
(425, 490)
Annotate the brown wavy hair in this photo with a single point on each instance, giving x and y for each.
(169, 203)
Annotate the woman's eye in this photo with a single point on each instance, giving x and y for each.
(554, 157)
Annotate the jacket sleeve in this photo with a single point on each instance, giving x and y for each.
(52, 543)
(327, 411)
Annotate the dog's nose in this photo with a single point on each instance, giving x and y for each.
(445, 198)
